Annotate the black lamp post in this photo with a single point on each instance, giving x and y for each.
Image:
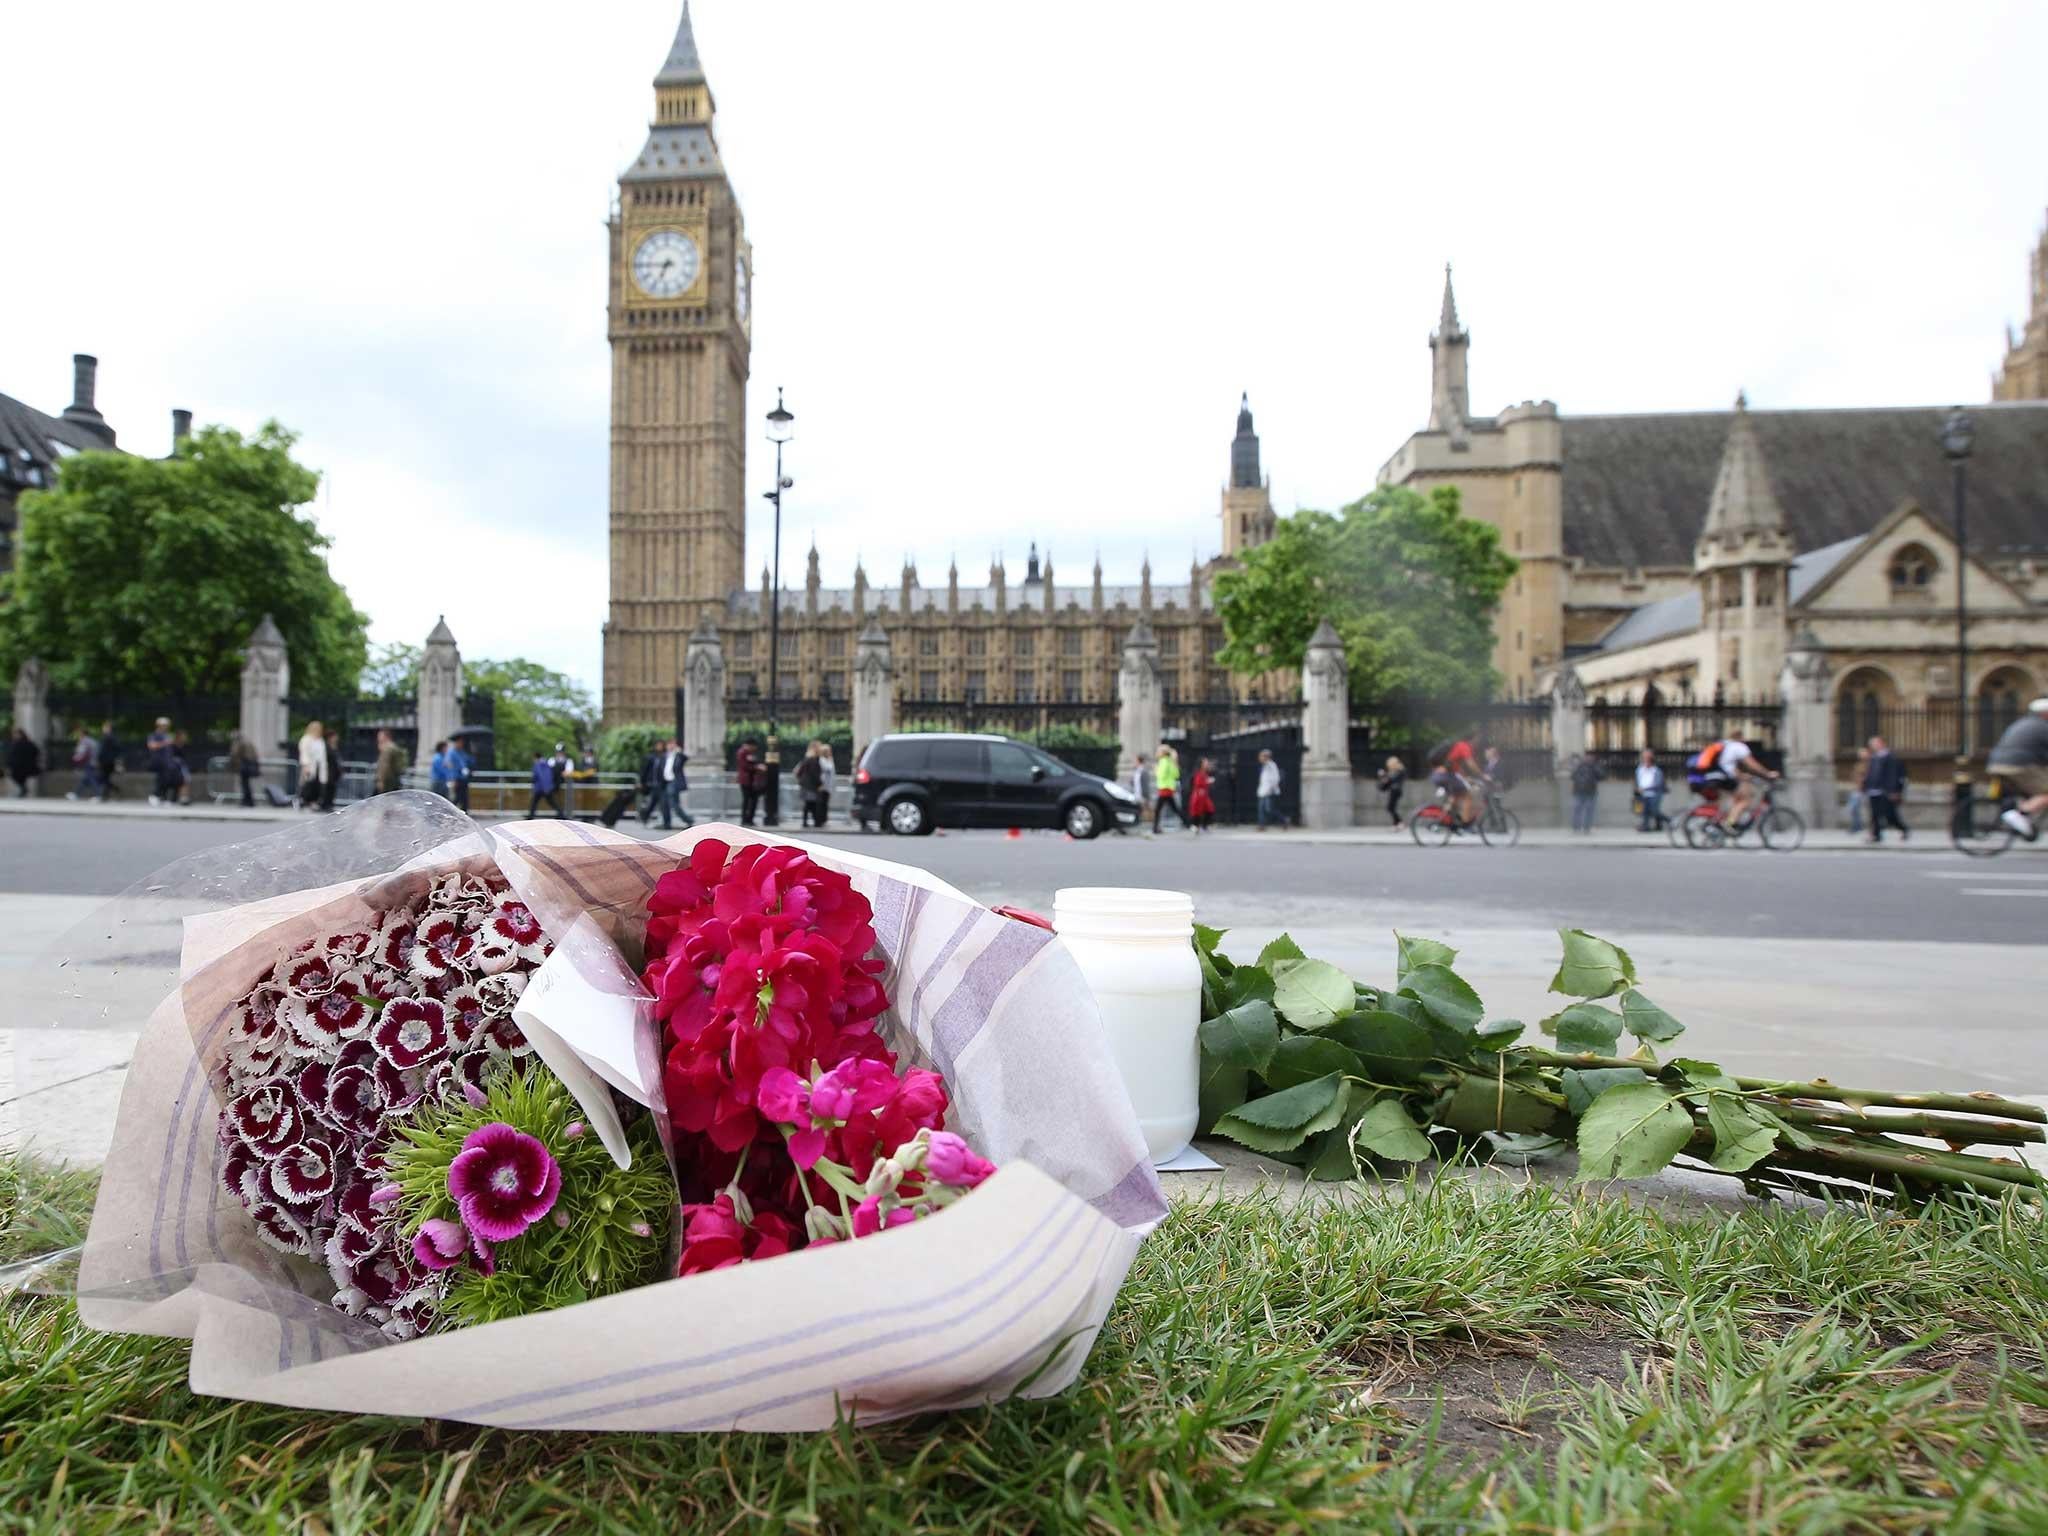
(1957, 433)
(780, 430)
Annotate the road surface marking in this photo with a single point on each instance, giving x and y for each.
(1980, 874)
(2000, 890)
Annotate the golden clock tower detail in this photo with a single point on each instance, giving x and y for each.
(678, 324)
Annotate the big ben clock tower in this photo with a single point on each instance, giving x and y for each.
(678, 324)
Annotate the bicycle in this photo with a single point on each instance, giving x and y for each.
(1777, 828)
(1500, 824)
(1435, 824)
(1977, 825)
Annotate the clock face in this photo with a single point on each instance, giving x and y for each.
(741, 297)
(665, 264)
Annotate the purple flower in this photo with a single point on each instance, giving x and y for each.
(304, 1174)
(502, 1181)
(439, 1244)
(949, 1160)
(411, 1032)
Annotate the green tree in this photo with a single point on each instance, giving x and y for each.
(392, 672)
(146, 575)
(535, 708)
(1409, 583)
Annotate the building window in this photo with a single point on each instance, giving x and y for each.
(977, 644)
(977, 687)
(1024, 687)
(928, 645)
(835, 685)
(835, 644)
(743, 644)
(1912, 571)
(1070, 687)
(789, 687)
(1070, 642)
(1999, 701)
(927, 685)
(1859, 708)
(1020, 645)
(1169, 642)
(744, 686)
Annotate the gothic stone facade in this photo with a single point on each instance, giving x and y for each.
(2025, 374)
(1683, 549)
(679, 324)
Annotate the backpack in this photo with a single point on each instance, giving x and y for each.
(1440, 753)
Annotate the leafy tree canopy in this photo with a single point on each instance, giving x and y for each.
(392, 672)
(146, 576)
(535, 706)
(1409, 583)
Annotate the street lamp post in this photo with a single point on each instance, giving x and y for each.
(780, 430)
(1957, 433)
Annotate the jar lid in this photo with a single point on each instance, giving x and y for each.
(1122, 900)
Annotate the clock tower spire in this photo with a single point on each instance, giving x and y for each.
(678, 322)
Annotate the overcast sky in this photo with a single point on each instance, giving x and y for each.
(1013, 263)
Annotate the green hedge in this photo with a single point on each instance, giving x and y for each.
(624, 747)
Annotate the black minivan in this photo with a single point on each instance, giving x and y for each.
(913, 783)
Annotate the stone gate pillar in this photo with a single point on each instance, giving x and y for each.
(32, 705)
(1325, 732)
(1567, 736)
(266, 684)
(874, 691)
(1139, 697)
(704, 700)
(440, 706)
(1809, 758)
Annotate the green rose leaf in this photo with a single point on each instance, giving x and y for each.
(1206, 940)
(1693, 1074)
(1303, 1058)
(1245, 984)
(1794, 1137)
(1583, 1085)
(1645, 1020)
(1385, 1130)
(1741, 1140)
(1414, 952)
(1222, 1089)
(1484, 1103)
(1282, 948)
(1280, 1122)
(1390, 1048)
(1591, 967)
(1334, 1161)
(1499, 1034)
(1631, 1131)
(1244, 1036)
(1514, 1150)
(1311, 994)
(1585, 1027)
(1445, 998)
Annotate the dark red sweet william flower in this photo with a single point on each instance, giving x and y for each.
(411, 1032)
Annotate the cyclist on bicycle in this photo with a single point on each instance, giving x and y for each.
(2021, 760)
(1453, 768)
(1728, 764)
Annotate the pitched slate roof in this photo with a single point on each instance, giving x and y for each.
(1636, 488)
(26, 430)
(1681, 614)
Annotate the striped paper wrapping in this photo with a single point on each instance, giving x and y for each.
(1001, 1294)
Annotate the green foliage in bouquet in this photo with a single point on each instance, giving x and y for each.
(1302, 1063)
(609, 1228)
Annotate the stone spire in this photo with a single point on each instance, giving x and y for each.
(1031, 576)
(682, 67)
(1449, 400)
(1145, 587)
(1743, 508)
(1244, 450)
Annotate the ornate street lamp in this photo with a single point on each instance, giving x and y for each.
(781, 429)
(1957, 434)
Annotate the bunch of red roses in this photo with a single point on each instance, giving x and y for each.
(792, 1123)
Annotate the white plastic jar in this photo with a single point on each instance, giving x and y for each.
(1136, 948)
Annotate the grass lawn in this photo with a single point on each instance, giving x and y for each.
(1450, 1358)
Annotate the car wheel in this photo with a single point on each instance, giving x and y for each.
(909, 818)
(1084, 820)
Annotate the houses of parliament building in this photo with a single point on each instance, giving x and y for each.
(679, 324)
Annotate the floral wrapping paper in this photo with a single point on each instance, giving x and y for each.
(1002, 1293)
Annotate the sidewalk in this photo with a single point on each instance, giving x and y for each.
(1608, 839)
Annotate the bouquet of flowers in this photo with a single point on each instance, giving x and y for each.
(488, 1126)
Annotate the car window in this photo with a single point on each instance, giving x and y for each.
(1052, 765)
(897, 756)
(1009, 763)
(958, 759)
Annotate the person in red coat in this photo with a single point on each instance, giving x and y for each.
(1201, 803)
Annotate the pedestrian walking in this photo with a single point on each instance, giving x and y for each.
(312, 765)
(1858, 800)
(562, 773)
(460, 766)
(1202, 798)
(157, 747)
(650, 778)
(178, 769)
(1585, 792)
(1166, 789)
(1269, 793)
(109, 761)
(752, 777)
(544, 788)
(85, 753)
(437, 769)
(808, 779)
(1393, 780)
(245, 765)
(331, 785)
(1649, 793)
(1884, 784)
(828, 780)
(391, 764)
(24, 763)
(1141, 782)
(672, 782)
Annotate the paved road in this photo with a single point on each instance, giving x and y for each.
(1813, 894)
